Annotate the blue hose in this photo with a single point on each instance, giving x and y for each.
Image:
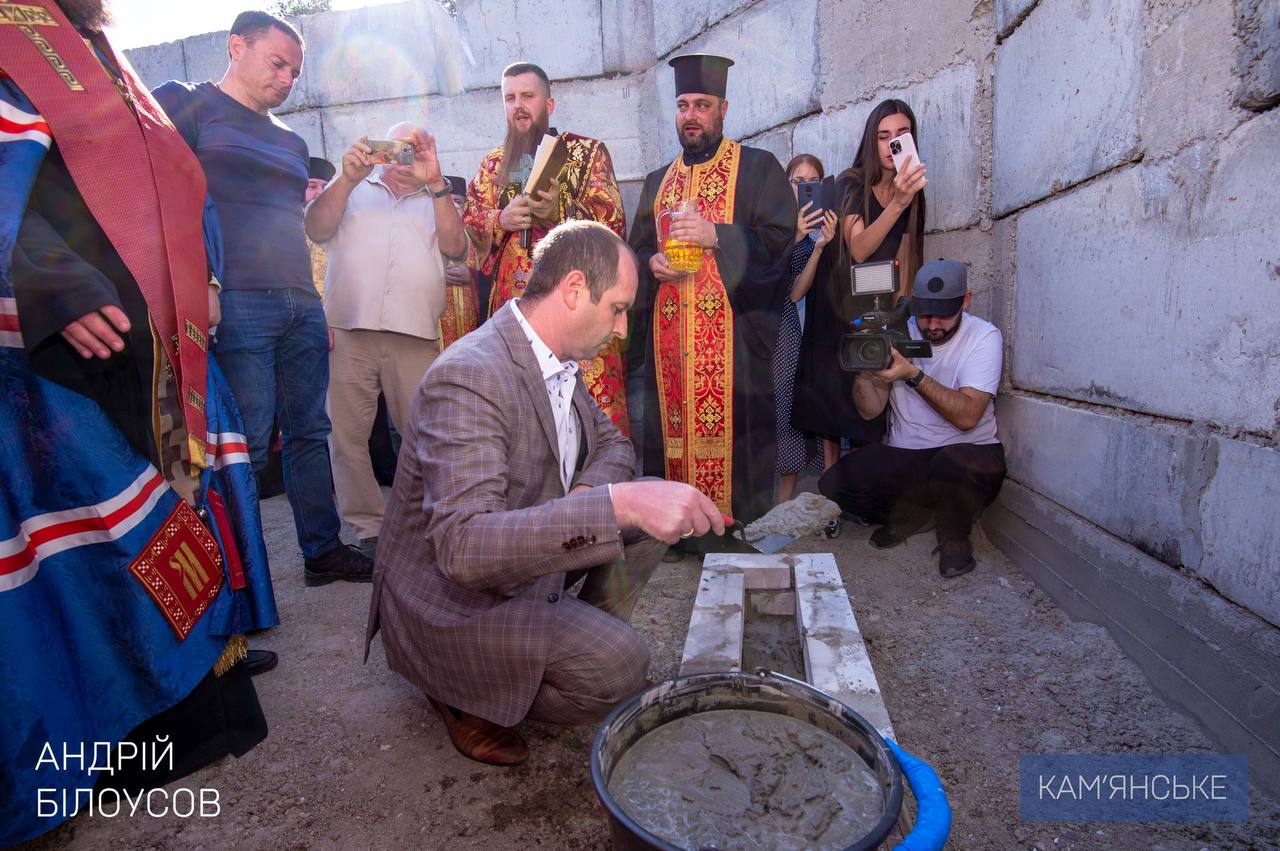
(933, 813)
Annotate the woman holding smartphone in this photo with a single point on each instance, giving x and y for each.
(815, 228)
(882, 217)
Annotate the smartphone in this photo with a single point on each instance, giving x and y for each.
(809, 192)
(392, 152)
(902, 149)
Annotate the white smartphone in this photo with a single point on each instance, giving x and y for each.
(902, 149)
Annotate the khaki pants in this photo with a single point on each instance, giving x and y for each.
(361, 364)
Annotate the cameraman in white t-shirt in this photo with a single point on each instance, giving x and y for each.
(942, 460)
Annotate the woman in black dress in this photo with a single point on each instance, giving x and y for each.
(882, 217)
(814, 229)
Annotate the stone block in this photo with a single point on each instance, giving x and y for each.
(1003, 240)
(950, 141)
(1189, 77)
(854, 62)
(1137, 288)
(1241, 526)
(759, 571)
(379, 53)
(158, 63)
(606, 109)
(206, 57)
(835, 655)
(627, 35)
(1163, 469)
(714, 641)
(1009, 13)
(774, 78)
(561, 36)
(675, 22)
(1067, 89)
(971, 246)
(1258, 59)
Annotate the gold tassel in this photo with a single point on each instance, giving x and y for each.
(236, 650)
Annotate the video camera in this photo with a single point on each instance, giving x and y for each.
(869, 345)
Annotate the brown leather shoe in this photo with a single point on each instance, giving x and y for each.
(481, 740)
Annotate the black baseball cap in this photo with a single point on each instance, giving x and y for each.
(939, 288)
(318, 168)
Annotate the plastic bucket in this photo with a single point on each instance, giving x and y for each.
(761, 692)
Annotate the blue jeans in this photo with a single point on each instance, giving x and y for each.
(273, 346)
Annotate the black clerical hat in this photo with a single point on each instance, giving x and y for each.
(701, 73)
(457, 185)
(320, 169)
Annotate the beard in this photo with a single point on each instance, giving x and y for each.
(707, 140)
(90, 15)
(519, 143)
(937, 336)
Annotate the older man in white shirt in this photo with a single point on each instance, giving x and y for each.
(387, 230)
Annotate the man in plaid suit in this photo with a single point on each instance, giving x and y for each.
(512, 486)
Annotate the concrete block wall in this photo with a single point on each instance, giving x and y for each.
(1105, 168)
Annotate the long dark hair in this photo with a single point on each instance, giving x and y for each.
(805, 158)
(867, 171)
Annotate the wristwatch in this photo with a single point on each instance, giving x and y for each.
(448, 190)
(914, 381)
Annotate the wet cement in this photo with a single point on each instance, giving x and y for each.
(773, 642)
(745, 779)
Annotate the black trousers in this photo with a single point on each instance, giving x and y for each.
(900, 487)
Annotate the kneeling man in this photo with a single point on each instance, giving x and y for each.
(943, 460)
(513, 485)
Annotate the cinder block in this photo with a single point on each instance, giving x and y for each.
(1189, 78)
(774, 78)
(158, 63)
(950, 143)
(1154, 289)
(378, 53)
(1067, 90)
(1009, 12)
(714, 642)
(1258, 28)
(675, 22)
(854, 63)
(835, 656)
(1241, 526)
(562, 36)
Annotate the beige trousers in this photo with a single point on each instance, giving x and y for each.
(362, 364)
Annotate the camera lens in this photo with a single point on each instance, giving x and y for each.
(871, 352)
(895, 146)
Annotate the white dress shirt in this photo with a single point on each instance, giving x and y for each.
(560, 377)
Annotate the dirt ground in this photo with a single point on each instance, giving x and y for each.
(975, 672)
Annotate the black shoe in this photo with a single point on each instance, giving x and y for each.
(260, 661)
(955, 558)
(343, 562)
(883, 538)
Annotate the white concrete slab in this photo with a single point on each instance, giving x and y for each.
(715, 627)
(759, 571)
(835, 656)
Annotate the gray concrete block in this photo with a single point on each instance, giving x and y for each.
(379, 52)
(1154, 289)
(206, 56)
(562, 36)
(774, 78)
(627, 35)
(1189, 77)
(776, 142)
(675, 22)
(971, 246)
(855, 62)
(1212, 659)
(1004, 234)
(950, 142)
(158, 63)
(1011, 12)
(307, 124)
(607, 109)
(1166, 464)
(630, 191)
(1241, 511)
(1258, 30)
(1067, 88)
